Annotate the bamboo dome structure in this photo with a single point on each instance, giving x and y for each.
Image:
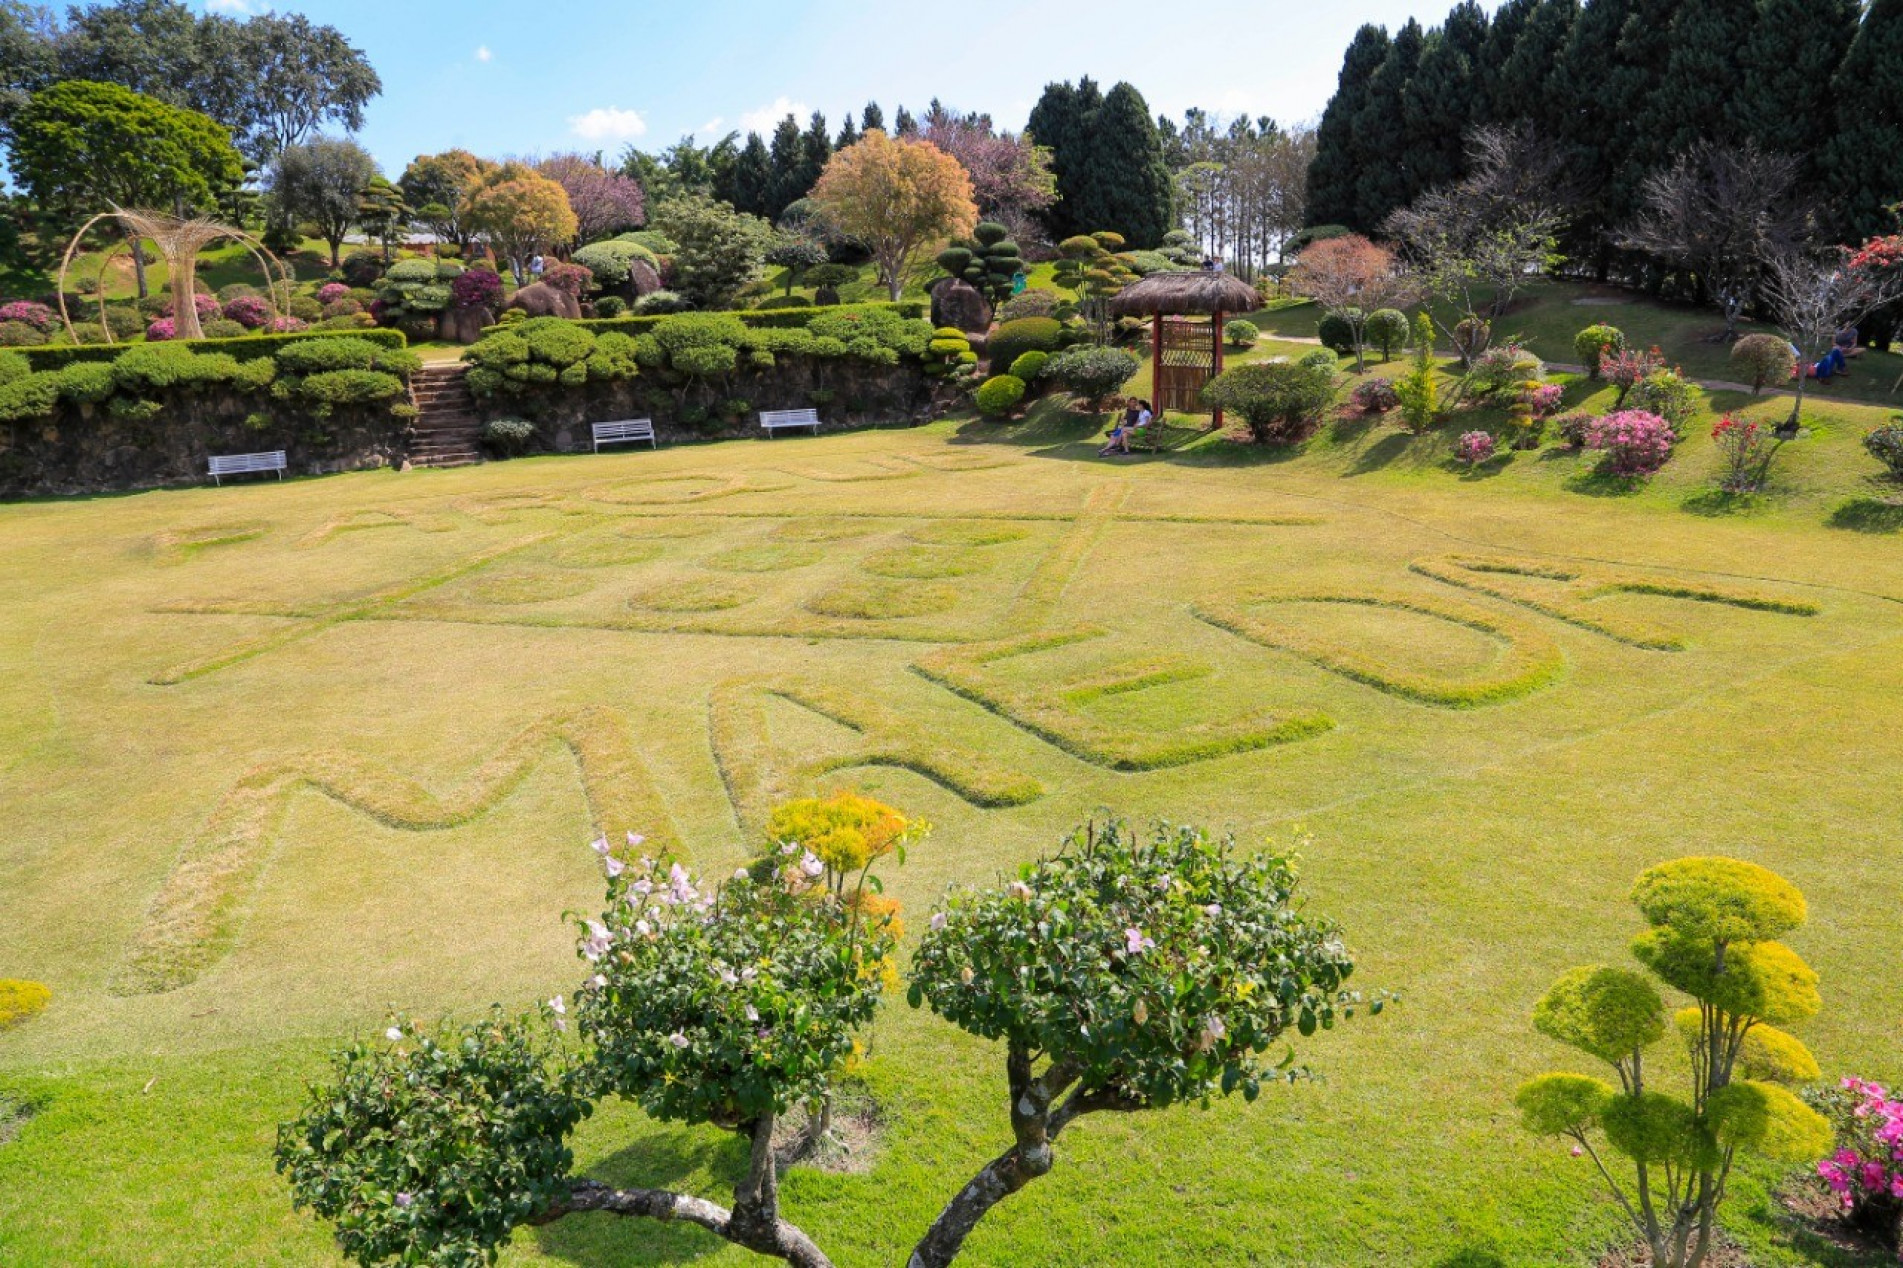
(1184, 354)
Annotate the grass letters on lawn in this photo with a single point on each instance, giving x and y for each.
(275, 757)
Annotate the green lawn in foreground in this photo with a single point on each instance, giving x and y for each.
(370, 645)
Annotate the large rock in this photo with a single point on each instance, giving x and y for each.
(643, 278)
(539, 299)
(957, 303)
(463, 325)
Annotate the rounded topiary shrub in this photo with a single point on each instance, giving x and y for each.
(1029, 366)
(1093, 373)
(1030, 303)
(657, 303)
(507, 437)
(1337, 332)
(1027, 334)
(20, 1000)
(1375, 396)
(1592, 344)
(1281, 401)
(1388, 329)
(1241, 334)
(1000, 395)
(1762, 360)
(1885, 444)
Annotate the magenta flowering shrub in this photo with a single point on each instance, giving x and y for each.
(1544, 398)
(286, 325)
(207, 306)
(1866, 1171)
(1375, 396)
(1635, 443)
(331, 292)
(38, 316)
(1626, 366)
(1474, 448)
(477, 288)
(161, 330)
(249, 311)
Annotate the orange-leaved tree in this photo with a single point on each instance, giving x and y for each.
(519, 212)
(898, 197)
(1350, 278)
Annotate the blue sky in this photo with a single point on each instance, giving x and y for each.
(535, 78)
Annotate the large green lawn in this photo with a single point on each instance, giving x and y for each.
(301, 752)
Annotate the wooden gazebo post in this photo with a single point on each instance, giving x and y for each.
(1215, 352)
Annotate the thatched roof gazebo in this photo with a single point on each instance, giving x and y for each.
(1184, 354)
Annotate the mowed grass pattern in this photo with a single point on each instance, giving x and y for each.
(264, 772)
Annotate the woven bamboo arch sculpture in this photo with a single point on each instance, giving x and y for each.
(179, 240)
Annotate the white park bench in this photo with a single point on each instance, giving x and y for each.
(774, 419)
(626, 429)
(245, 464)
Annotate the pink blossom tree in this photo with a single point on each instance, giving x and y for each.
(605, 203)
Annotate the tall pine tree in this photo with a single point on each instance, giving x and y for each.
(1503, 37)
(1865, 162)
(1127, 187)
(848, 133)
(1443, 98)
(1383, 182)
(1789, 105)
(1590, 115)
(1697, 97)
(1339, 148)
(904, 124)
(815, 148)
(752, 177)
(1640, 58)
(1525, 87)
(1060, 120)
(783, 156)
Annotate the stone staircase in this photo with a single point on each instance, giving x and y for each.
(446, 433)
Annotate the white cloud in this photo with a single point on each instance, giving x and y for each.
(764, 119)
(608, 124)
(483, 54)
(710, 127)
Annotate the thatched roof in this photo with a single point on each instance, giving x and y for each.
(1190, 291)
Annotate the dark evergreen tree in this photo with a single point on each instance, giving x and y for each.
(783, 158)
(1382, 180)
(1864, 161)
(904, 124)
(1060, 120)
(1640, 58)
(873, 117)
(1493, 103)
(816, 147)
(1697, 98)
(1126, 187)
(752, 179)
(1443, 100)
(848, 134)
(1789, 105)
(1339, 150)
(1581, 87)
(1526, 87)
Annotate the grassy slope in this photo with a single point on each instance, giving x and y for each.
(1472, 854)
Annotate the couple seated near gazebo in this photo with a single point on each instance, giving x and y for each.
(1134, 421)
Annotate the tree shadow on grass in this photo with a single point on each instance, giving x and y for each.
(1868, 515)
(1472, 1257)
(1721, 504)
(1600, 482)
(663, 1161)
(1382, 453)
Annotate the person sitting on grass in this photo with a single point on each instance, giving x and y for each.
(1846, 342)
(1833, 365)
(1119, 439)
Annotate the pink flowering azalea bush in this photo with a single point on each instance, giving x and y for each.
(286, 325)
(1375, 396)
(207, 306)
(161, 330)
(477, 288)
(1544, 398)
(1635, 443)
(1624, 367)
(1866, 1169)
(1475, 447)
(38, 316)
(249, 311)
(331, 292)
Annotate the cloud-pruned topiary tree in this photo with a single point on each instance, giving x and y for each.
(1124, 973)
(1714, 924)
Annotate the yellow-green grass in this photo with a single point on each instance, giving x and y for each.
(295, 771)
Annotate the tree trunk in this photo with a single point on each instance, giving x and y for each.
(138, 261)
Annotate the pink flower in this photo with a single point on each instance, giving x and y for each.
(810, 864)
(938, 921)
(679, 1040)
(1135, 943)
(404, 1199)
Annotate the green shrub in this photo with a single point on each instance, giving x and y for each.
(652, 240)
(1667, 394)
(20, 1000)
(1387, 330)
(557, 342)
(1241, 333)
(328, 354)
(660, 303)
(610, 261)
(324, 392)
(13, 366)
(1504, 369)
(252, 347)
(164, 367)
(507, 437)
(1027, 334)
(20, 334)
(1282, 402)
(219, 328)
(88, 382)
(1593, 343)
(1000, 395)
(1885, 444)
(1337, 331)
(610, 306)
(785, 301)
(305, 308)
(1028, 366)
(1030, 303)
(1093, 373)
(1764, 360)
(28, 397)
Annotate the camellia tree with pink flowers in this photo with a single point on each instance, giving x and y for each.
(1865, 1171)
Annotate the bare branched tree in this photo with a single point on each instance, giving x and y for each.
(1814, 295)
(1720, 212)
(1490, 232)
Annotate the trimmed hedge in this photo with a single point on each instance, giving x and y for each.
(755, 318)
(248, 348)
